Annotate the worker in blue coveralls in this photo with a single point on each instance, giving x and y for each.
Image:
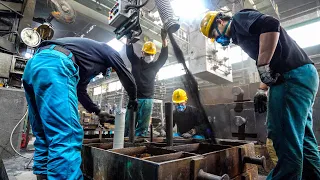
(144, 70)
(291, 79)
(54, 79)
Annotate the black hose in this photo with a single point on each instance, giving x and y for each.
(192, 86)
(128, 7)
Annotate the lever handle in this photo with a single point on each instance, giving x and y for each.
(256, 160)
(207, 176)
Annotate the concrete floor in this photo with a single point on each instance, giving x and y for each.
(16, 167)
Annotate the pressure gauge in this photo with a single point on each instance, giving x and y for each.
(30, 37)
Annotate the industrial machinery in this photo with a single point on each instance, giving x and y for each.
(124, 16)
(61, 11)
(11, 70)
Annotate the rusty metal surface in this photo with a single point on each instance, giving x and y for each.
(228, 161)
(250, 174)
(180, 162)
(142, 150)
(198, 148)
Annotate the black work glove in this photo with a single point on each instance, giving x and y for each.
(163, 34)
(260, 101)
(133, 104)
(266, 75)
(105, 117)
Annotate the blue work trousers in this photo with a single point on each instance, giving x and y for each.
(143, 117)
(290, 125)
(50, 80)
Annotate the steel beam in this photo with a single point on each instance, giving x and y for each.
(14, 6)
(28, 13)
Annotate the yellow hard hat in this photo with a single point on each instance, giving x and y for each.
(207, 22)
(179, 96)
(150, 48)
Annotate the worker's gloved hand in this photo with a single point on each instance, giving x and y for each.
(105, 117)
(163, 34)
(260, 101)
(163, 133)
(189, 134)
(266, 75)
(186, 135)
(133, 104)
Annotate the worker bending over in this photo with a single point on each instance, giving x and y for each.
(59, 71)
(144, 70)
(291, 79)
(187, 118)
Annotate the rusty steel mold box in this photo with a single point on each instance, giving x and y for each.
(120, 164)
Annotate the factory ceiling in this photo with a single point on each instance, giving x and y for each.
(92, 20)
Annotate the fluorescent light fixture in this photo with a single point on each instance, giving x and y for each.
(305, 35)
(116, 44)
(188, 9)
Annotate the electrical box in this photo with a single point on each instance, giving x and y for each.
(118, 15)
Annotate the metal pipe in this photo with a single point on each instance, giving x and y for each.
(207, 176)
(132, 125)
(3, 4)
(169, 123)
(118, 139)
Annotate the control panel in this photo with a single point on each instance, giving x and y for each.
(118, 14)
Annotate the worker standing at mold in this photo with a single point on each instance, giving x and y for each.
(290, 78)
(187, 118)
(144, 70)
(54, 80)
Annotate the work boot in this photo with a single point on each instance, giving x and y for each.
(42, 177)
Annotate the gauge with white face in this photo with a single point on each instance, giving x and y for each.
(30, 37)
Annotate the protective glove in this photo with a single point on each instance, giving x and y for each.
(189, 134)
(260, 101)
(163, 34)
(162, 133)
(186, 135)
(105, 117)
(133, 104)
(266, 75)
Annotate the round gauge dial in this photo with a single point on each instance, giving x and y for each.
(30, 37)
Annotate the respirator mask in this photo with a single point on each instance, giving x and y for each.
(222, 38)
(148, 59)
(180, 107)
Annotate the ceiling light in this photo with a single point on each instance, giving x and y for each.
(116, 44)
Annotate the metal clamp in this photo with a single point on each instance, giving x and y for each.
(256, 160)
(207, 176)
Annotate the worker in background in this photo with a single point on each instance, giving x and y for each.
(291, 80)
(144, 70)
(54, 79)
(187, 118)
